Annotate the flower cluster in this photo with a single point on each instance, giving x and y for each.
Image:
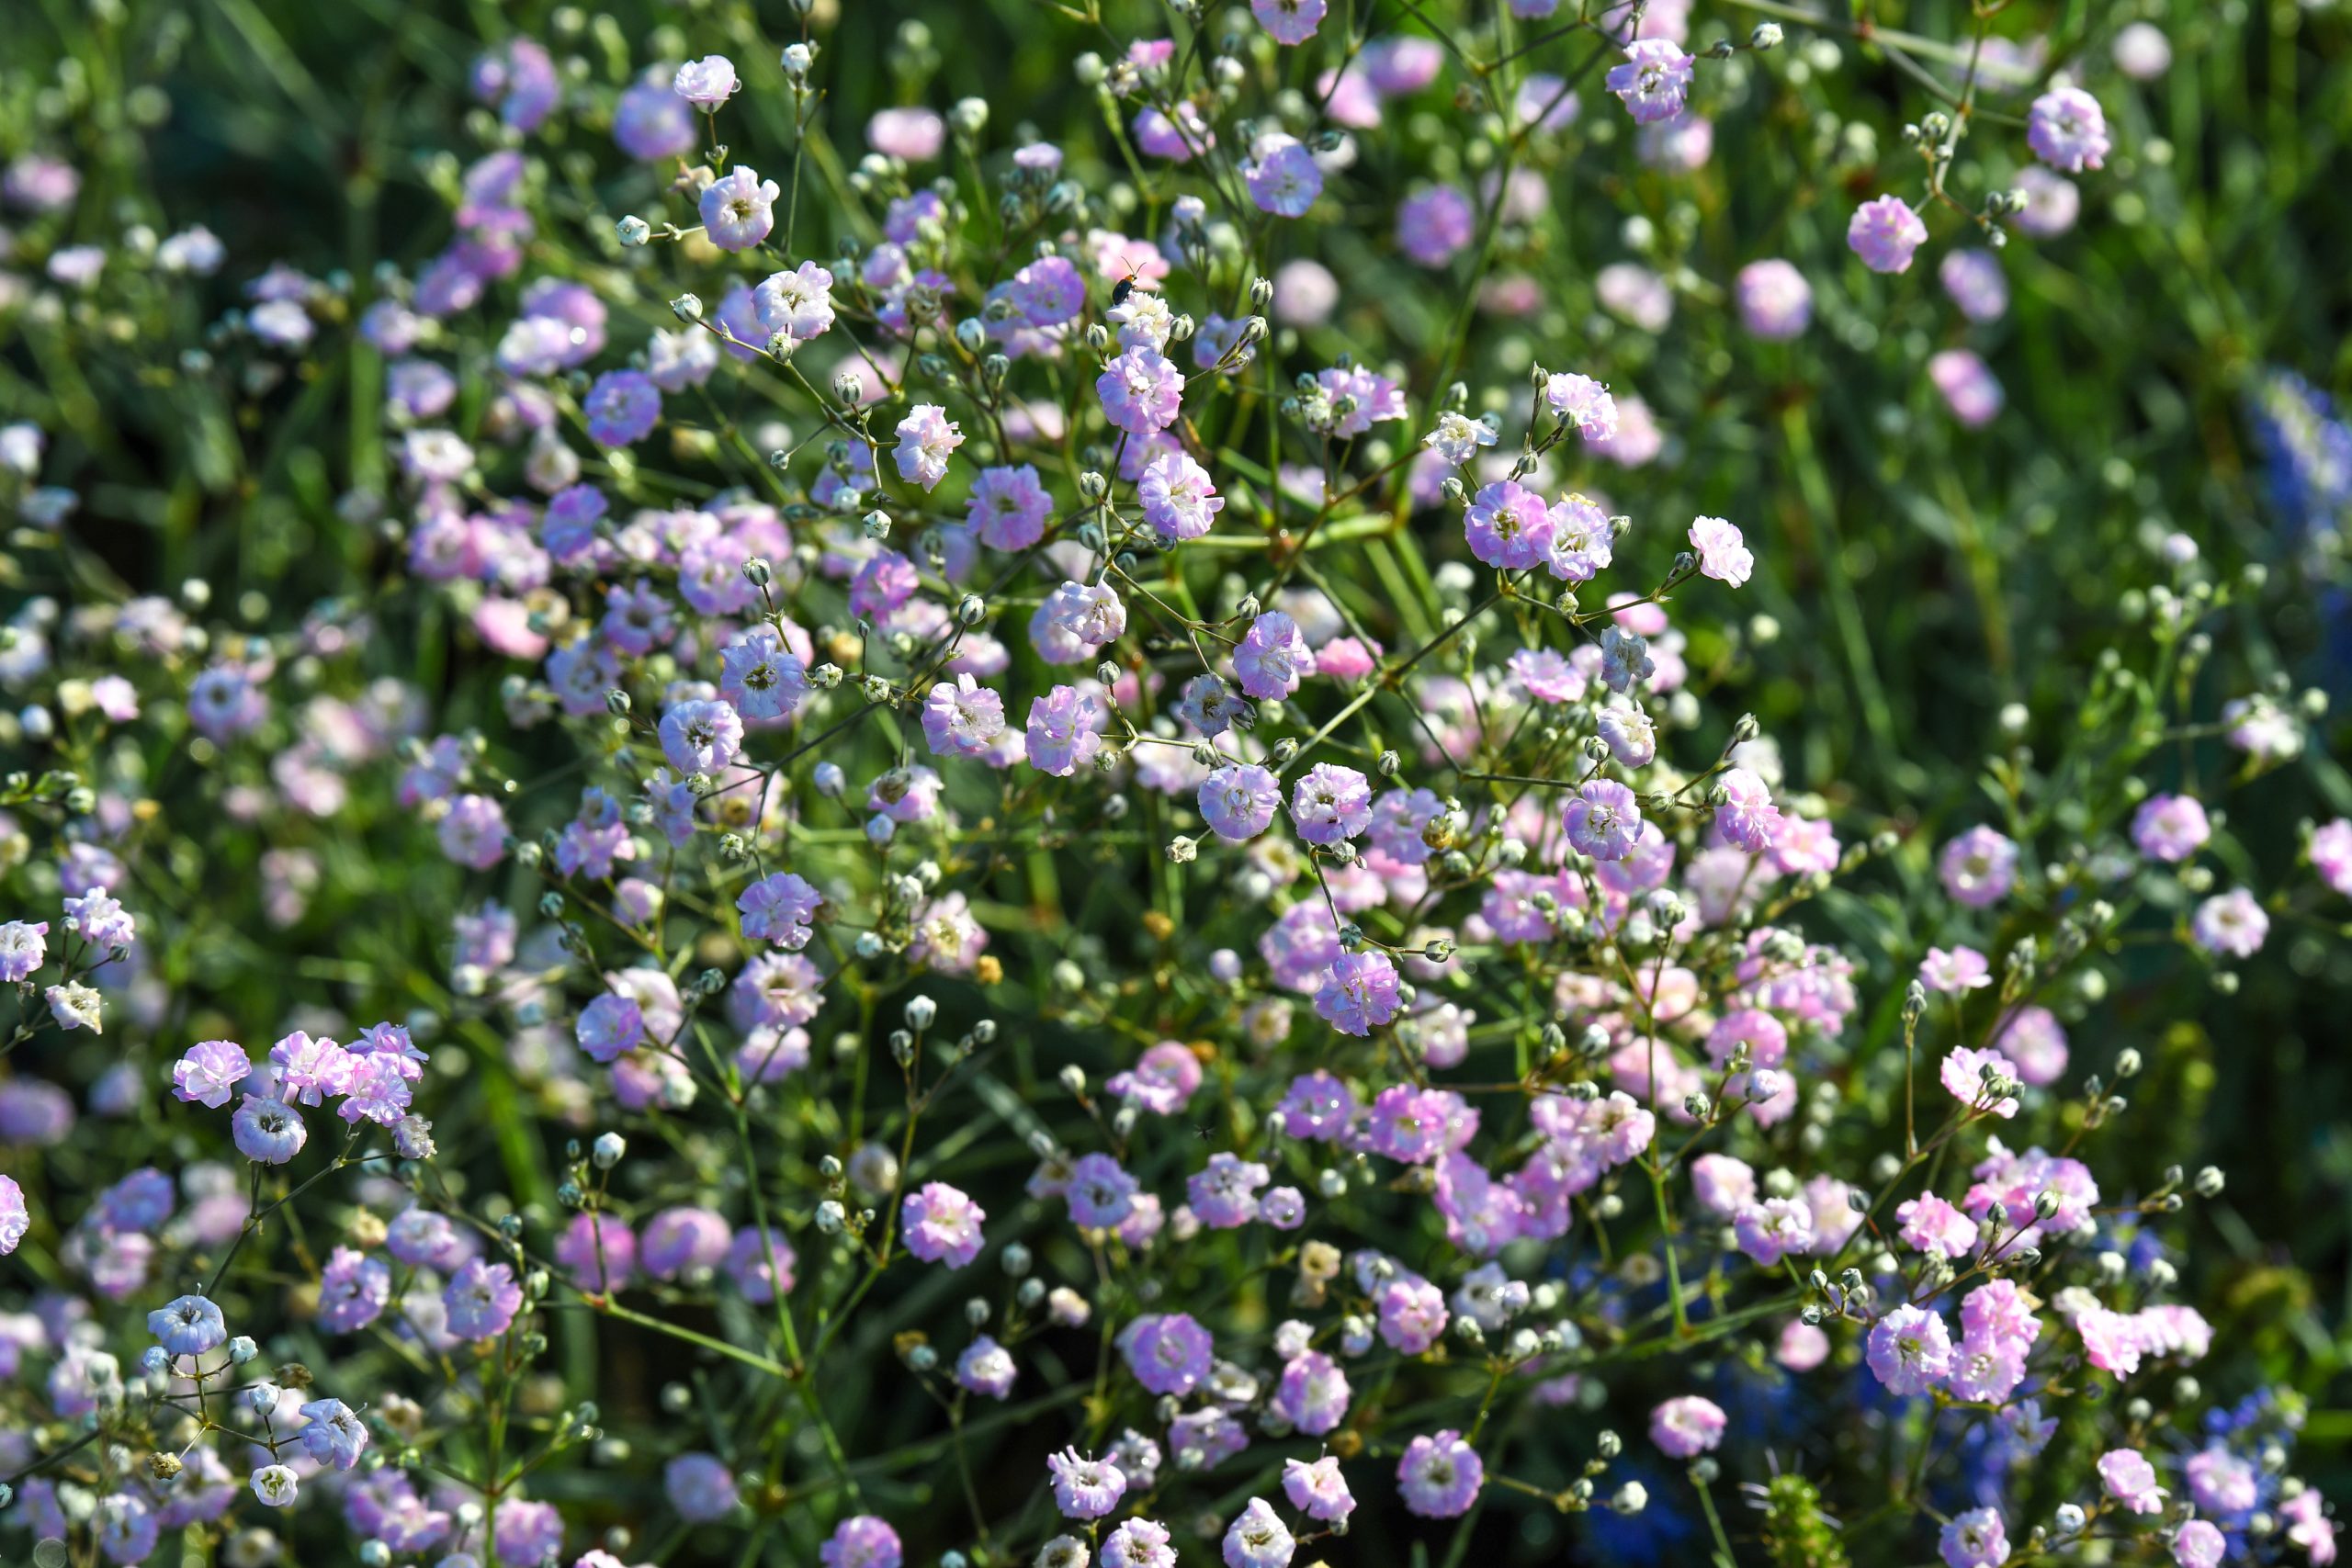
(1036, 890)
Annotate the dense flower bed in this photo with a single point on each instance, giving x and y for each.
(1052, 843)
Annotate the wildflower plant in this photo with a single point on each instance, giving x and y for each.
(1166, 819)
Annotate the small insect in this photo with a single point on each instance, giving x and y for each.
(1125, 286)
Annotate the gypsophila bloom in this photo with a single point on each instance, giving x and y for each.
(1964, 1076)
(1440, 1475)
(701, 736)
(268, 1131)
(941, 1225)
(986, 1368)
(1272, 657)
(1909, 1351)
(2199, 1543)
(2170, 828)
(2067, 131)
(1168, 1352)
(1178, 498)
(962, 718)
(797, 304)
(1434, 225)
(1084, 1488)
(1602, 820)
(1723, 555)
(1359, 994)
(1140, 391)
(1688, 1426)
(1457, 437)
(1968, 385)
(700, 1487)
(1062, 736)
(1582, 402)
(1976, 284)
(1258, 1537)
(862, 1541)
(335, 1436)
(209, 1073)
(1508, 526)
(706, 82)
(23, 949)
(2230, 924)
(622, 407)
(1280, 175)
(1775, 300)
(1008, 508)
(1885, 232)
(2331, 855)
(481, 1300)
(16, 1219)
(2130, 1479)
(1654, 82)
(188, 1326)
(738, 209)
(1330, 803)
(1954, 973)
(1979, 868)
(779, 909)
(1974, 1540)
(1238, 801)
(274, 1485)
(76, 1006)
(927, 438)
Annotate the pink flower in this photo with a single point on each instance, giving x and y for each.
(1775, 301)
(1508, 526)
(1654, 82)
(1290, 21)
(2230, 924)
(1258, 1537)
(2130, 1479)
(2199, 1543)
(1440, 1475)
(1885, 233)
(1359, 994)
(1968, 385)
(927, 437)
(2170, 828)
(942, 1225)
(1723, 555)
(1329, 803)
(2067, 131)
(1434, 225)
(1168, 1352)
(1603, 820)
(1687, 1427)
(1955, 972)
(1774, 1229)
(736, 210)
(914, 134)
(961, 717)
(1979, 868)
(1141, 391)
(2331, 851)
(1968, 1074)
(1977, 1539)
(706, 82)
(1909, 1351)
(779, 908)
(1930, 1225)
